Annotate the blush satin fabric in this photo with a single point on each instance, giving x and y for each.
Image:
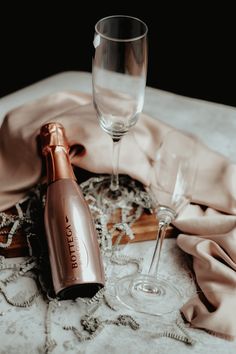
(208, 227)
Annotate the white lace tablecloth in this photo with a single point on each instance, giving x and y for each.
(22, 330)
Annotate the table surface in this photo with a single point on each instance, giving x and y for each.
(22, 330)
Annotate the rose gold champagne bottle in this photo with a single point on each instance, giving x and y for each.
(74, 254)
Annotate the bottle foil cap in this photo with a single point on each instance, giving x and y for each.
(53, 134)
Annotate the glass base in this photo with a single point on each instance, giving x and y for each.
(147, 294)
(114, 221)
(107, 197)
(131, 194)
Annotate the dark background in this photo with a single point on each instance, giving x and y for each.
(191, 50)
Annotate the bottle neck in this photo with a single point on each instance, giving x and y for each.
(58, 164)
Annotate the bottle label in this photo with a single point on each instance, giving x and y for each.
(73, 250)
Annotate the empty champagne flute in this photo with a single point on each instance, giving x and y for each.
(174, 175)
(118, 79)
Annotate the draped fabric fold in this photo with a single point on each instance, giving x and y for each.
(208, 227)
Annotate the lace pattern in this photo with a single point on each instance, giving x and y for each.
(34, 268)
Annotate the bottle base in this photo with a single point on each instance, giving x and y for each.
(79, 290)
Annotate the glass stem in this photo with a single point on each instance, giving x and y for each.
(114, 186)
(163, 224)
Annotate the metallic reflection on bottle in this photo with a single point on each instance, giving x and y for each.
(75, 259)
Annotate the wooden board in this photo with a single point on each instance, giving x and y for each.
(145, 229)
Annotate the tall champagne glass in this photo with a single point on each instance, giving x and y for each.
(174, 174)
(119, 79)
